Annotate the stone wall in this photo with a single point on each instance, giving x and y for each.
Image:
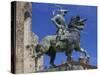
(25, 63)
(19, 66)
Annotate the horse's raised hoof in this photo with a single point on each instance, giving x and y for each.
(88, 57)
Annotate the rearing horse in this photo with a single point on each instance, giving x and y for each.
(70, 41)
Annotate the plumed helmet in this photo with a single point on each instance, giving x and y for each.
(60, 10)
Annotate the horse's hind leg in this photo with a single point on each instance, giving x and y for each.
(52, 54)
(52, 58)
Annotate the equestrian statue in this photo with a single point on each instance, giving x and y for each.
(66, 39)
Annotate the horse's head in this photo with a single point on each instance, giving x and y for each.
(77, 22)
(81, 24)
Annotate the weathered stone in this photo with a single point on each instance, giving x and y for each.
(70, 66)
(24, 38)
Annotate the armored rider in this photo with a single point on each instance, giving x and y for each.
(60, 23)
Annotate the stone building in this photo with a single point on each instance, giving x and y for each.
(24, 37)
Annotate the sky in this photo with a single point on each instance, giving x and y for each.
(42, 26)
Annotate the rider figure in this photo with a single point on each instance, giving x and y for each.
(60, 23)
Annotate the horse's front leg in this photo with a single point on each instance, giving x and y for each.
(83, 51)
(69, 56)
(85, 56)
(68, 52)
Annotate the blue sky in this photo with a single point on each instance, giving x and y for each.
(43, 26)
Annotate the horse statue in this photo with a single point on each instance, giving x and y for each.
(69, 41)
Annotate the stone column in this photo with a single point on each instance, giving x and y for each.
(25, 37)
(19, 66)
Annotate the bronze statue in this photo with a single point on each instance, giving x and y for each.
(69, 38)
